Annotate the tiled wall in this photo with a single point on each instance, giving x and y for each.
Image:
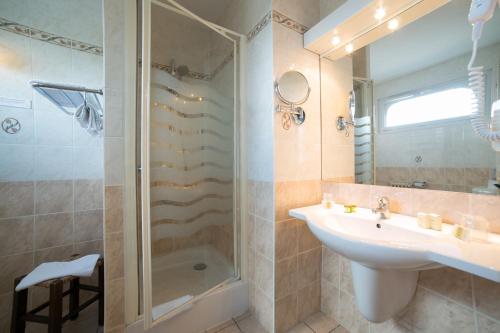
(297, 172)
(443, 179)
(51, 187)
(44, 221)
(114, 165)
(297, 256)
(446, 300)
(261, 252)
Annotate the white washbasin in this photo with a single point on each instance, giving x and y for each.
(386, 255)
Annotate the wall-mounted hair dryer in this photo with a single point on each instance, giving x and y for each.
(480, 12)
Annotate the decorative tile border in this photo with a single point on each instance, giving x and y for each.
(48, 37)
(259, 26)
(279, 18)
(289, 23)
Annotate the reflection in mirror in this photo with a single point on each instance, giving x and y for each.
(412, 107)
(293, 88)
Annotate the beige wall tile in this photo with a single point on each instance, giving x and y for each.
(286, 276)
(114, 208)
(487, 207)
(431, 313)
(346, 284)
(309, 267)
(487, 295)
(264, 240)
(115, 305)
(450, 205)
(448, 282)
(330, 266)
(251, 265)
(53, 196)
(16, 199)
(251, 198)
(114, 255)
(16, 235)
(307, 241)
(88, 194)
(114, 161)
(264, 278)
(53, 230)
(309, 300)
(57, 253)
(487, 325)
(88, 225)
(92, 247)
(349, 316)
(264, 203)
(294, 194)
(5, 311)
(264, 310)
(12, 267)
(353, 193)
(286, 313)
(286, 239)
(329, 299)
(251, 231)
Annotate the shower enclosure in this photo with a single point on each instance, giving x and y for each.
(190, 153)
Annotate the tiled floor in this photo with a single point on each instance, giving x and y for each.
(316, 323)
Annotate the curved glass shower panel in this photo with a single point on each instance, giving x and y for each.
(192, 154)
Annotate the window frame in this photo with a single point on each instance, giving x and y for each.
(386, 102)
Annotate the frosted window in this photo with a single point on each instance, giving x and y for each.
(445, 104)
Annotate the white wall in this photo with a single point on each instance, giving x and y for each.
(51, 145)
(75, 19)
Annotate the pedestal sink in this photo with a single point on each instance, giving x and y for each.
(386, 255)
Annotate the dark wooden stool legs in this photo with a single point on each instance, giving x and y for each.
(101, 294)
(55, 307)
(19, 307)
(55, 319)
(74, 298)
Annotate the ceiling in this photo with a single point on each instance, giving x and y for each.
(437, 37)
(211, 10)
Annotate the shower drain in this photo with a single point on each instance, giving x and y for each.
(200, 267)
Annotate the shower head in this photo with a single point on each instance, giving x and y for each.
(181, 70)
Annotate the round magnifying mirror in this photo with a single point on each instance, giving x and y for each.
(293, 88)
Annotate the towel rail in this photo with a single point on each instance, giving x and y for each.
(65, 87)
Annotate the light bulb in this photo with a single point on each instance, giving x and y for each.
(335, 40)
(349, 48)
(380, 13)
(393, 24)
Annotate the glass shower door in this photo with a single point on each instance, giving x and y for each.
(190, 166)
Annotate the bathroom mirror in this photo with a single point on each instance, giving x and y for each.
(412, 107)
(293, 88)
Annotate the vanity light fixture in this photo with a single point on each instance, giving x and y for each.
(379, 13)
(335, 40)
(393, 24)
(349, 48)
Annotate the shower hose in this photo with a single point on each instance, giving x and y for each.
(477, 84)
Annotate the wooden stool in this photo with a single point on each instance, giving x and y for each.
(55, 319)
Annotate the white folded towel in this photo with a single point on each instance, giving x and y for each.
(82, 267)
(88, 115)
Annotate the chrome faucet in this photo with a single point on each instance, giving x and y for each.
(383, 208)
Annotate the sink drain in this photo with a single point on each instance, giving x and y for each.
(200, 267)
